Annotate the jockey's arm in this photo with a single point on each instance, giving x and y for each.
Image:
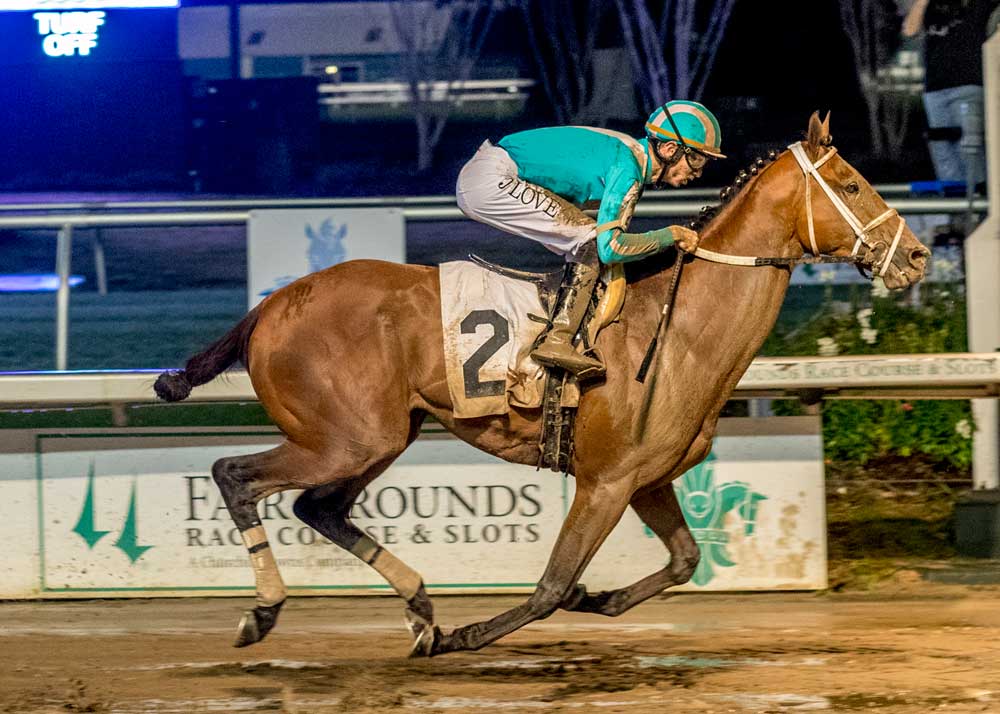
(624, 247)
(614, 245)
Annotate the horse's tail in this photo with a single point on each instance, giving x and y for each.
(209, 363)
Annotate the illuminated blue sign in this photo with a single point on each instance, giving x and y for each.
(58, 5)
(83, 37)
(69, 33)
(34, 282)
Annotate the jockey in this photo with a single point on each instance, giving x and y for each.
(533, 183)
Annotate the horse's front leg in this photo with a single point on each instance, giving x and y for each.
(595, 511)
(659, 509)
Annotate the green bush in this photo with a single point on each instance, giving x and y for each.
(856, 320)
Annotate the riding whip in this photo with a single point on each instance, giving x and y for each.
(668, 309)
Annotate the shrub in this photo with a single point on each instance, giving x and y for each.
(852, 320)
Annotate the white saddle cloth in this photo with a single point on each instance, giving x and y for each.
(487, 338)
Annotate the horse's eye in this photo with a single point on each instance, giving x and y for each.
(852, 188)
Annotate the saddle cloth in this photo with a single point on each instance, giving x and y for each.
(487, 340)
(488, 336)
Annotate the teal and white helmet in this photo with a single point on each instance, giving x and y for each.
(698, 127)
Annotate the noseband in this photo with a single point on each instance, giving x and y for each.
(860, 231)
(878, 266)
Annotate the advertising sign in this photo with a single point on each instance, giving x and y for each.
(283, 245)
(139, 514)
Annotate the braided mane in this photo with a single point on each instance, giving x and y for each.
(729, 192)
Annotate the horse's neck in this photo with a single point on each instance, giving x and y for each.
(724, 313)
(745, 301)
(760, 221)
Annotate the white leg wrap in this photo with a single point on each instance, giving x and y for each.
(254, 536)
(270, 587)
(403, 579)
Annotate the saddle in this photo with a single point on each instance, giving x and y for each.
(562, 391)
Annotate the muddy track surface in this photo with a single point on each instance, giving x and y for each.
(914, 648)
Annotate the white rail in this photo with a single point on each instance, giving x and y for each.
(136, 205)
(234, 213)
(937, 376)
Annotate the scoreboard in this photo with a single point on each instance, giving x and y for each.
(95, 31)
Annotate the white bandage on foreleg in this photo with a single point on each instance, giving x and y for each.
(253, 536)
(403, 579)
(270, 587)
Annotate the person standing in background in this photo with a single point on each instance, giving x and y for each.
(954, 32)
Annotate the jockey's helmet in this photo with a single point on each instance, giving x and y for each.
(698, 127)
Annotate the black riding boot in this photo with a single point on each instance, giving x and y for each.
(557, 347)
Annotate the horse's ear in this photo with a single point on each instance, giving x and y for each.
(815, 131)
(819, 132)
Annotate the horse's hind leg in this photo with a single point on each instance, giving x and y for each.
(659, 509)
(327, 509)
(243, 481)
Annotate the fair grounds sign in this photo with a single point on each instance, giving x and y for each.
(135, 513)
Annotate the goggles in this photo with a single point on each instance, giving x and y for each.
(695, 159)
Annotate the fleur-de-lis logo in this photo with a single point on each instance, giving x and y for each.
(705, 506)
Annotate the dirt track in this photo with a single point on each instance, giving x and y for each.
(911, 647)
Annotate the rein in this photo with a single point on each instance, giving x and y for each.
(752, 262)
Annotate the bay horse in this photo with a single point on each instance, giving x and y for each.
(348, 363)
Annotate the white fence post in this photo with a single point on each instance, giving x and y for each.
(982, 270)
(64, 250)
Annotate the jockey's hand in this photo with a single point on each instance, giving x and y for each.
(685, 238)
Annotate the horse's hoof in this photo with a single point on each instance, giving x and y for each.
(416, 623)
(425, 634)
(425, 641)
(256, 623)
(575, 598)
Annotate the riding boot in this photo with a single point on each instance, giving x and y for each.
(557, 348)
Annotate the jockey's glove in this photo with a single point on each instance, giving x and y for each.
(685, 238)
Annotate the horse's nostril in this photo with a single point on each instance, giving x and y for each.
(918, 256)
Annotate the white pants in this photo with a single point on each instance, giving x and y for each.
(490, 191)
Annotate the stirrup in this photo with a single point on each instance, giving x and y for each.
(589, 373)
(582, 373)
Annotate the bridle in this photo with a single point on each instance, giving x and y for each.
(860, 231)
(878, 266)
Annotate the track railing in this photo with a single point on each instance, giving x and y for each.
(928, 376)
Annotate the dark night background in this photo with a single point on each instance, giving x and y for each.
(125, 125)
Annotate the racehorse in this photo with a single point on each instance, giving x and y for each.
(348, 362)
